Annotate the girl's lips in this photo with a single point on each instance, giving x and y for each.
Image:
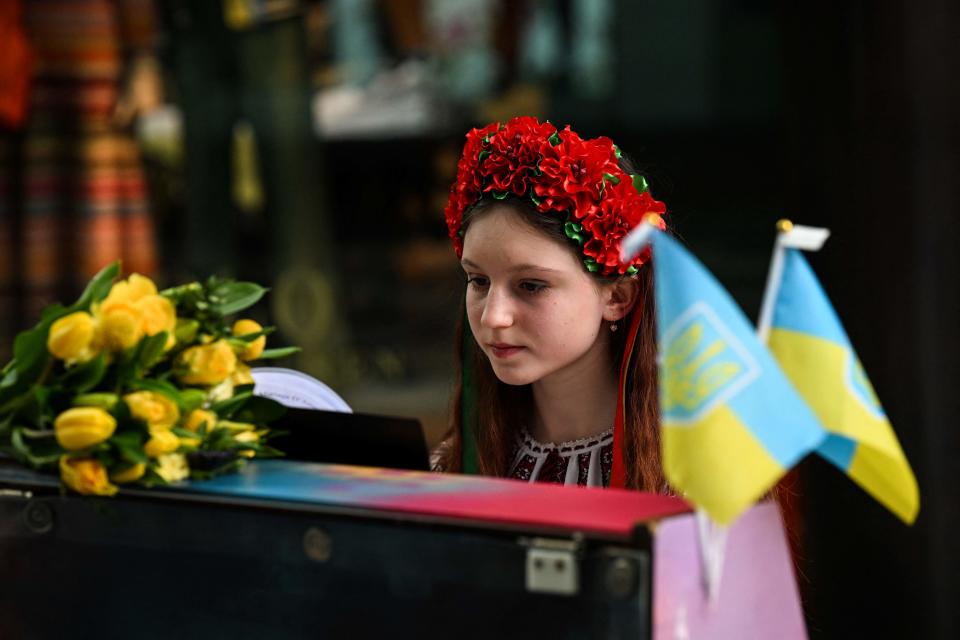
(505, 350)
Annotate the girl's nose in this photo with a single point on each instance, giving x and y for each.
(498, 310)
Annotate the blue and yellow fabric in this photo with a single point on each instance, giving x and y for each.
(811, 346)
(732, 422)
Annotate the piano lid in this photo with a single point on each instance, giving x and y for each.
(410, 495)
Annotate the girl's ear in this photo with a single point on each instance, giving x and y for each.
(620, 297)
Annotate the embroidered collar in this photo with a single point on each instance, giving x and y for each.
(570, 446)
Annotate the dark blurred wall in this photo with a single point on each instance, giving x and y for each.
(871, 108)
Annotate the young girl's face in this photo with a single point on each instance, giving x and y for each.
(532, 308)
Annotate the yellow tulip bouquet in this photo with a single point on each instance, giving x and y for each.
(132, 384)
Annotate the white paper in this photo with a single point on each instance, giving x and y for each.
(296, 389)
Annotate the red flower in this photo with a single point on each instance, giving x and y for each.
(577, 166)
(564, 174)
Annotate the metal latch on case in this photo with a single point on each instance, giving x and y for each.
(552, 566)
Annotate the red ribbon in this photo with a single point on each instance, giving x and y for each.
(618, 475)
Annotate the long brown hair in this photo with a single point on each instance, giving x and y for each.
(500, 407)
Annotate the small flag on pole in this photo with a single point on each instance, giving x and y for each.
(813, 350)
(732, 423)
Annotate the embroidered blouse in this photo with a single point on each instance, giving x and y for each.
(585, 462)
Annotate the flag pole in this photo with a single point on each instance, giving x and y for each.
(774, 277)
(789, 236)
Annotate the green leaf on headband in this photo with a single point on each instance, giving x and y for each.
(632, 270)
(500, 195)
(483, 154)
(609, 177)
(591, 265)
(640, 183)
(574, 232)
(616, 151)
(534, 198)
(554, 139)
(486, 138)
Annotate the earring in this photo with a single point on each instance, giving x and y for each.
(613, 326)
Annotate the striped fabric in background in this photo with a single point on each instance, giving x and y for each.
(73, 194)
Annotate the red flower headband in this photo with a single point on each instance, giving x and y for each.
(578, 180)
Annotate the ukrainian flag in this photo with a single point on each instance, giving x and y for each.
(808, 340)
(732, 422)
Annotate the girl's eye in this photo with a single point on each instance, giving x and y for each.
(477, 282)
(533, 287)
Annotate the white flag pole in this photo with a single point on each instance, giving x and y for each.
(789, 236)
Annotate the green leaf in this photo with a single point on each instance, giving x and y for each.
(103, 400)
(609, 177)
(30, 353)
(554, 139)
(151, 351)
(83, 377)
(226, 408)
(250, 337)
(574, 231)
(130, 445)
(640, 183)
(591, 265)
(184, 433)
(39, 453)
(186, 330)
(9, 377)
(53, 312)
(235, 296)
(191, 291)
(259, 410)
(98, 288)
(280, 352)
(191, 399)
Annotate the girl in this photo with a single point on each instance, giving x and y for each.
(557, 377)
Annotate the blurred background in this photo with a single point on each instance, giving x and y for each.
(310, 146)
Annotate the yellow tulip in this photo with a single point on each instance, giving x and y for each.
(207, 364)
(237, 427)
(130, 474)
(131, 289)
(83, 427)
(242, 375)
(86, 476)
(197, 417)
(247, 437)
(119, 327)
(131, 310)
(155, 409)
(255, 347)
(160, 443)
(71, 336)
(172, 467)
(156, 314)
